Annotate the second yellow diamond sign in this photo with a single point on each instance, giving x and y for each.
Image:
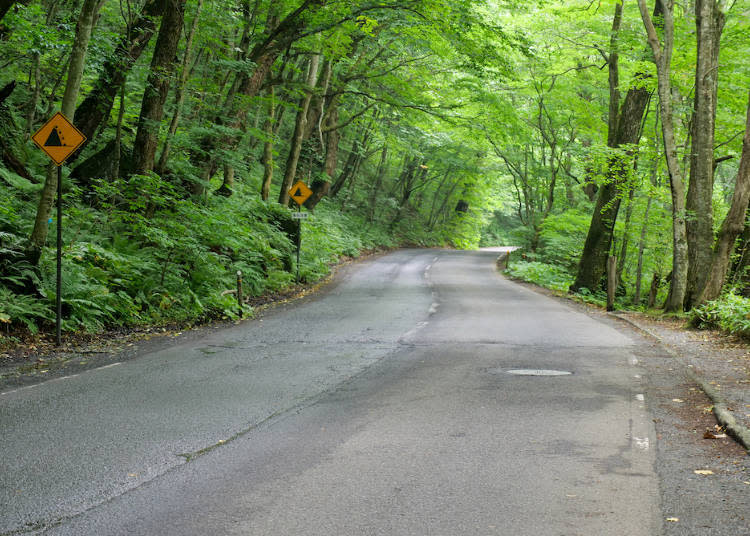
(300, 192)
(58, 138)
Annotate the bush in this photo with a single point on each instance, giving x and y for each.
(546, 275)
(730, 313)
(561, 237)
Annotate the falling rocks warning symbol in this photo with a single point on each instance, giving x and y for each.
(300, 192)
(58, 138)
(54, 139)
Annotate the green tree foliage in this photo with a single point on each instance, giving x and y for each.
(459, 122)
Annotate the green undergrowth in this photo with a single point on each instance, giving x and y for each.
(559, 279)
(125, 267)
(550, 276)
(730, 313)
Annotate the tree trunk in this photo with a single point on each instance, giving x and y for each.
(641, 247)
(354, 152)
(262, 56)
(299, 130)
(700, 232)
(611, 282)
(227, 186)
(732, 226)
(5, 5)
(157, 86)
(93, 112)
(740, 266)
(267, 160)
(321, 187)
(379, 175)
(75, 73)
(593, 263)
(179, 97)
(663, 61)
(625, 237)
(653, 289)
(624, 129)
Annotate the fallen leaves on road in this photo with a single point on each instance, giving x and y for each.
(716, 433)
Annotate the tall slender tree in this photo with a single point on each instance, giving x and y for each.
(157, 86)
(76, 64)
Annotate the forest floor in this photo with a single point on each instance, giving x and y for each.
(719, 363)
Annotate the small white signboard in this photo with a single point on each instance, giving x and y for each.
(300, 215)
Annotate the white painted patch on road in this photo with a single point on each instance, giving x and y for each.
(639, 397)
(414, 330)
(641, 442)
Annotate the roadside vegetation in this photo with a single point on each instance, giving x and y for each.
(575, 130)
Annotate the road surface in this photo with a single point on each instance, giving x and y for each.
(408, 398)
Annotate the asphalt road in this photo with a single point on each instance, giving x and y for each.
(386, 405)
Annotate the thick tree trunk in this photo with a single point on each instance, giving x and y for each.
(93, 112)
(700, 232)
(299, 130)
(653, 290)
(157, 86)
(733, 224)
(227, 185)
(624, 129)
(593, 263)
(76, 64)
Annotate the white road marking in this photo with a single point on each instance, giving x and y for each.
(641, 442)
(639, 397)
(56, 380)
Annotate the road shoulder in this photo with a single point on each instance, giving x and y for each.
(704, 482)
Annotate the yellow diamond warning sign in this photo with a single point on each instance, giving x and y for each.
(59, 138)
(300, 192)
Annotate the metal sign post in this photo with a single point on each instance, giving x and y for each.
(299, 193)
(58, 297)
(299, 238)
(59, 138)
